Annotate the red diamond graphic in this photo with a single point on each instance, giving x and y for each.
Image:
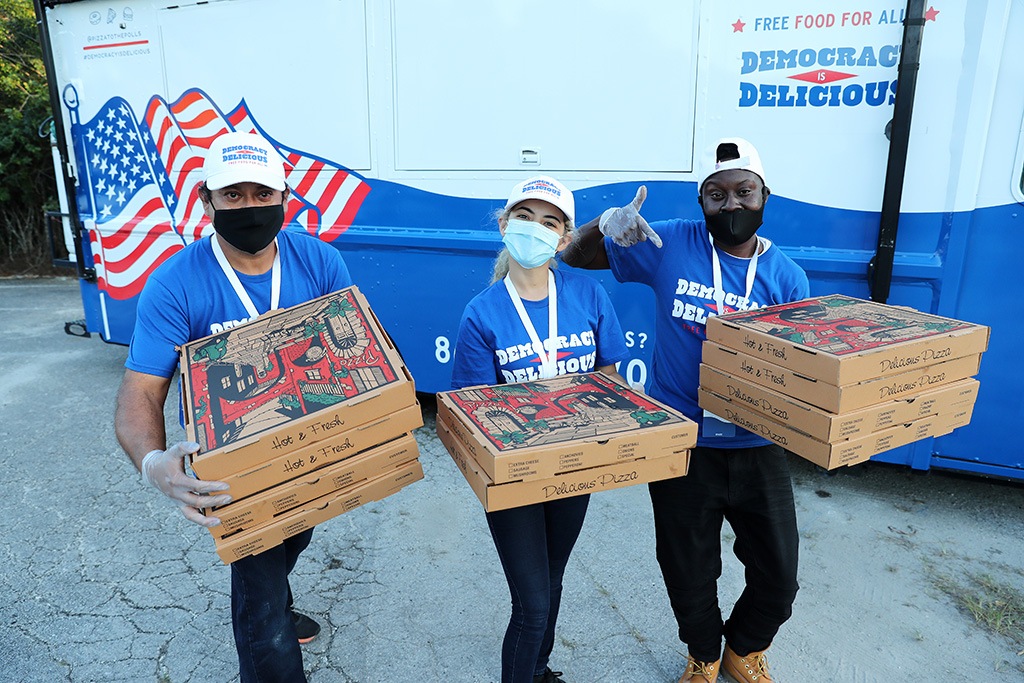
(822, 76)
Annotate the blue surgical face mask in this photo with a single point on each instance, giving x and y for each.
(530, 244)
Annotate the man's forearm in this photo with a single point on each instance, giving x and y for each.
(138, 423)
(587, 249)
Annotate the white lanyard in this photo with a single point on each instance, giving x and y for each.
(236, 284)
(548, 361)
(716, 273)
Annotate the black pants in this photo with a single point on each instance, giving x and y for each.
(752, 489)
(261, 614)
(534, 543)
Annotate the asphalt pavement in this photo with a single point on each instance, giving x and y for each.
(104, 581)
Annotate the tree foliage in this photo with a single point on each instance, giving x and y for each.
(26, 169)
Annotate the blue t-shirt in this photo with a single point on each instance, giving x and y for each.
(188, 297)
(680, 273)
(494, 347)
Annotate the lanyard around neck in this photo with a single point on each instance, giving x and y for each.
(236, 284)
(716, 273)
(548, 361)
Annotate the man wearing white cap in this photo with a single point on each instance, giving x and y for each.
(698, 269)
(247, 267)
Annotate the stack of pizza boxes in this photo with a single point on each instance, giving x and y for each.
(306, 413)
(837, 379)
(532, 442)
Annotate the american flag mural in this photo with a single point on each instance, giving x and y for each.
(137, 180)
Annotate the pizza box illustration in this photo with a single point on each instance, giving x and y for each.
(287, 379)
(841, 340)
(539, 429)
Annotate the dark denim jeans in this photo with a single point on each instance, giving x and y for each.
(752, 489)
(261, 615)
(534, 543)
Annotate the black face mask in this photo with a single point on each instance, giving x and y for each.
(732, 228)
(249, 229)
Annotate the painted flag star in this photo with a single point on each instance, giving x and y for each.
(738, 26)
(931, 14)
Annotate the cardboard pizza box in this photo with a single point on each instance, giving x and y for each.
(536, 430)
(263, 507)
(837, 399)
(288, 524)
(833, 455)
(565, 485)
(288, 378)
(831, 427)
(841, 340)
(343, 445)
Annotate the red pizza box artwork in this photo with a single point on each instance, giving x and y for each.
(841, 340)
(287, 379)
(536, 430)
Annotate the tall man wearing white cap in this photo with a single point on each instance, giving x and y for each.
(246, 268)
(698, 269)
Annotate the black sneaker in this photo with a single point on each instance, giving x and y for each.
(549, 676)
(305, 628)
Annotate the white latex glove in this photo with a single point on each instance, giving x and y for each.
(165, 471)
(626, 226)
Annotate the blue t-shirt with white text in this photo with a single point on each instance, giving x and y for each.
(493, 346)
(188, 297)
(680, 273)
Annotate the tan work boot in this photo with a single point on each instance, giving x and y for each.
(750, 669)
(700, 672)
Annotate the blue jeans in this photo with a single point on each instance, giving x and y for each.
(752, 489)
(261, 614)
(534, 543)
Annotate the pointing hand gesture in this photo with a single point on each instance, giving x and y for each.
(626, 226)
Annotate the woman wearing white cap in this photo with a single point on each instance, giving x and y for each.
(529, 301)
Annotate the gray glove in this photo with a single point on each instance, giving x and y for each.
(165, 471)
(626, 226)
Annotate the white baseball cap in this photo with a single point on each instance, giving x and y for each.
(545, 188)
(749, 160)
(243, 158)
